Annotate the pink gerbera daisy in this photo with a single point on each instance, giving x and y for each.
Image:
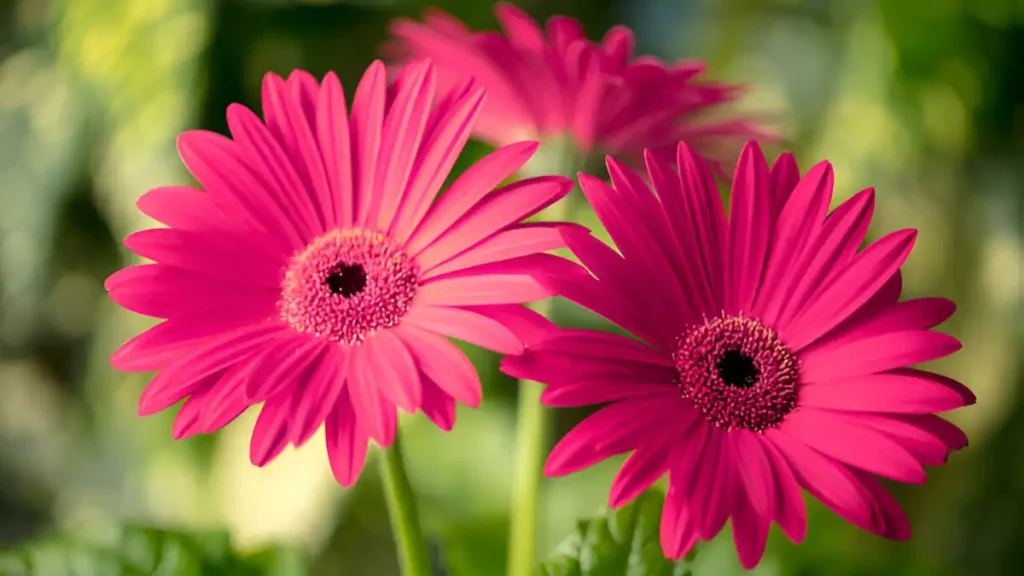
(315, 273)
(773, 353)
(544, 83)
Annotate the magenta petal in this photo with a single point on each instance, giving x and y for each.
(437, 404)
(617, 428)
(516, 241)
(391, 367)
(321, 392)
(749, 224)
(795, 228)
(365, 128)
(714, 492)
(599, 390)
(875, 354)
(403, 131)
(750, 534)
(443, 363)
(677, 531)
(162, 344)
(346, 441)
(495, 211)
(917, 314)
(270, 435)
(791, 512)
(465, 325)
(481, 289)
(891, 516)
(332, 129)
(827, 480)
(643, 468)
(853, 444)
(377, 416)
(185, 422)
(847, 290)
(528, 326)
(446, 136)
(755, 472)
(783, 178)
(901, 391)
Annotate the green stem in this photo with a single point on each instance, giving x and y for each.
(405, 522)
(533, 423)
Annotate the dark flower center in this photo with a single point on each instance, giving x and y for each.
(347, 279)
(738, 373)
(347, 285)
(737, 369)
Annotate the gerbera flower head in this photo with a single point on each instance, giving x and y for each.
(315, 273)
(771, 354)
(554, 82)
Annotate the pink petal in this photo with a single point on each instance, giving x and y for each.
(840, 437)
(677, 531)
(179, 380)
(188, 416)
(650, 304)
(443, 363)
(501, 208)
(701, 209)
(437, 404)
(901, 391)
(213, 255)
(930, 448)
(465, 325)
(559, 367)
(346, 441)
(917, 314)
(195, 210)
(827, 480)
(288, 122)
(403, 132)
(273, 168)
(602, 345)
(755, 472)
(713, 494)
(320, 394)
(643, 468)
(290, 354)
(783, 179)
(528, 326)
(392, 369)
(875, 354)
(270, 435)
(162, 344)
(617, 428)
(891, 516)
(797, 223)
(222, 169)
(830, 250)
(377, 416)
(690, 258)
(476, 290)
(789, 499)
(166, 291)
(599, 390)
(332, 132)
(750, 534)
(849, 289)
(519, 240)
(438, 152)
(366, 126)
(749, 224)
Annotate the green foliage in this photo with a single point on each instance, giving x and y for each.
(622, 542)
(146, 551)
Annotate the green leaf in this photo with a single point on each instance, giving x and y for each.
(147, 551)
(622, 542)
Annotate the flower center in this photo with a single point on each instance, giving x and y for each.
(737, 373)
(346, 285)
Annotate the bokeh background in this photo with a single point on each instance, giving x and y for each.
(923, 99)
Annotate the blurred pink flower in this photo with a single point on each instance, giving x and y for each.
(544, 83)
(772, 353)
(314, 271)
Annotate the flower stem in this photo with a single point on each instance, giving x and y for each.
(405, 522)
(533, 423)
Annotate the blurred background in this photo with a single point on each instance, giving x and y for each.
(922, 99)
